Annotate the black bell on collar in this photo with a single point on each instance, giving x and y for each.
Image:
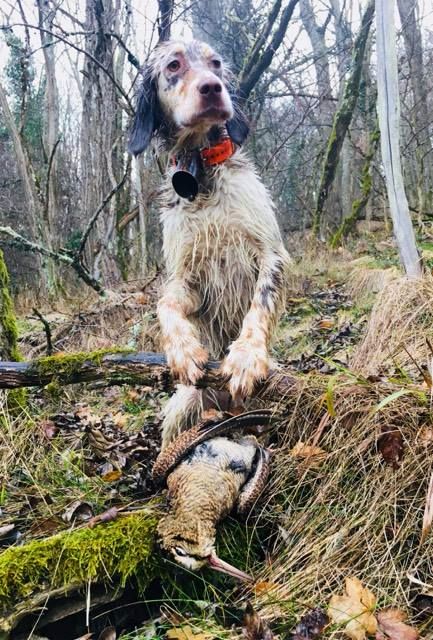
(185, 179)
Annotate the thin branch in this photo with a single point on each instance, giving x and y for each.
(120, 89)
(249, 81)
(47, 330)
(47, 183)
(101, 207)
(59, 256)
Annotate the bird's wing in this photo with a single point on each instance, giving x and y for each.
(251, 422)
(255, 483)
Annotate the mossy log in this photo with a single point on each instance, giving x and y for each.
(114, 551)
(114, 367)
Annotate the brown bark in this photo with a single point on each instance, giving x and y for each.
(101, 159)
(144, 368)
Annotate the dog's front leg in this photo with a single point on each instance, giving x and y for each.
(248, 361)
(185, 355)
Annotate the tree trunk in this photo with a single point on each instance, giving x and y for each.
(414, 52)
(46, 14)
(326, 109)
(25, 170)
(389, 124)
(343, 117)
(101, 158)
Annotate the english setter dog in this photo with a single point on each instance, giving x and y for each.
(225, 259)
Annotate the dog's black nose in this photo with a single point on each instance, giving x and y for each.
(208, 88)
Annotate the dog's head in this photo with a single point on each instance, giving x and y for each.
(185, 88)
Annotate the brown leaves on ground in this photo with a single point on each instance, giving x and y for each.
(254, 627)
(308, 455)
(310, 626)
(392, 626)
(186, 632)
(354, 609)
(390, 445)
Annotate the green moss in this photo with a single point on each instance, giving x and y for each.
(70, 363)
(9, 338)
(365, 183)
(116, 550)
(17, 398)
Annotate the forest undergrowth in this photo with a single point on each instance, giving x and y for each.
(350, 495)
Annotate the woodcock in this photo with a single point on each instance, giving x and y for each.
(209, 470)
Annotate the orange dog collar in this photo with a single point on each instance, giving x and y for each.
(218, 153)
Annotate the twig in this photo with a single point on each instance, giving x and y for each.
(58, 256)
(47, 330)
(49, 169)
(101, 207)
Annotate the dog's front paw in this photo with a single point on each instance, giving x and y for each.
(187, 359)
(245, 366)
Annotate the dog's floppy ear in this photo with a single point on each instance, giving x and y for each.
(238, 127)
(147, 116)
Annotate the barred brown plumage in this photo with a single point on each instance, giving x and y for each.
(210, 469)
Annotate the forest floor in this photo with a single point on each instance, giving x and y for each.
(344, 508)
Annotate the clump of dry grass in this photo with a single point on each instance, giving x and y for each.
(348, 513)
(400, 322)
(366, 280)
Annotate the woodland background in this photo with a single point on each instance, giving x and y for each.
(350, 496)
(67, 87)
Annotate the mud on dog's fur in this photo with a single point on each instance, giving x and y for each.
(223, 252)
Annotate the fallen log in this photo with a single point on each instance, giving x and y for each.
(31, 573)
(114, 367)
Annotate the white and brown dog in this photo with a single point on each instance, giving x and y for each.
(223, 250)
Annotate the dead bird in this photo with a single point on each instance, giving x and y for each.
(209, 470)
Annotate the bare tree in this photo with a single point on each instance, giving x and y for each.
(412, 36)
(389, 124)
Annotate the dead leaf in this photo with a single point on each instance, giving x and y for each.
(49, 429)
(326, 323)
(354, 610)
(120, 419)
(78, 511)
(210, 414)
(106, 516)
(263, 586)
(392, 626)
(309, 455)
(425, 436)
(310, 626)
(86, 636)
(390, 445)
(112, 476)
(186, 633)
(254, 627)
(109, 633)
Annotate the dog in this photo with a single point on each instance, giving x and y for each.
(225, 259)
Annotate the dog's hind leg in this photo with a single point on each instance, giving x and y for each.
(182, 411)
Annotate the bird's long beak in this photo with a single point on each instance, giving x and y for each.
(219, 565)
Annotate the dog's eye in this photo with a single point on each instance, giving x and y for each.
(174, 65)
(216, 63)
